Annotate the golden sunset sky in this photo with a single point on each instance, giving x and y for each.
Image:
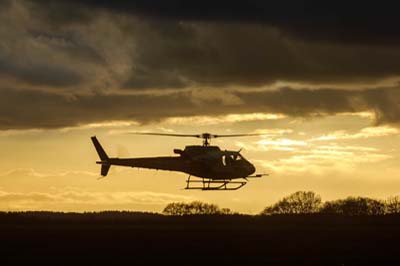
(320, 81)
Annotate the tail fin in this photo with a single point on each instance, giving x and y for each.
(105, 165)
(100, 151)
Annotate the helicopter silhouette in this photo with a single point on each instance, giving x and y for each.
(208, 167)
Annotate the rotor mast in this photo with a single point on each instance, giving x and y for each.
(206, 139)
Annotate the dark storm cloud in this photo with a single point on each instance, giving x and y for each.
(40, 74)
(32, 109)
(300, 103)
(65, 63)
(325, 20)
(4, 4)
(383, 102)
(254, 55)
(386, 105)
(178, 44)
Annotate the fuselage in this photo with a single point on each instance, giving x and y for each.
(201, 161)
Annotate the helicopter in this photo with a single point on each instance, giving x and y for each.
(208, 167)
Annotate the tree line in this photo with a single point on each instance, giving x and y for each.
(300, 202)
(194, 208)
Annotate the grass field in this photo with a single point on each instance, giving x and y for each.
(143, 239)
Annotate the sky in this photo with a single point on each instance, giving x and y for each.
(321, 81)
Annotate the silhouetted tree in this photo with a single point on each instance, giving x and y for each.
(354, 206)
(225, 211)
(300, 202)
(193, 208)
(393, 205)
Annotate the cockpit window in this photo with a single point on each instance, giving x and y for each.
(237, 157)
(229, 159)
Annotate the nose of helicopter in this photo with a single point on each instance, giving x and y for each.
(251, 168)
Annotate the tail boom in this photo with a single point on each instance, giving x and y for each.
(157, 163)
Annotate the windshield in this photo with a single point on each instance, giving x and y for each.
(228, 159)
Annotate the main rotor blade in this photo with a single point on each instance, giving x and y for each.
(237, 135)
(165, 134)
(203, 135)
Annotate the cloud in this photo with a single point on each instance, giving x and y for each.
(28, 109)
(91, 200)
(30, 172)
(100, 61)
(282, 142)
(383, 102)
(368, 132)
(277, 144)
(46, 110)
(218, 119)
(5, 5)
(55, 196)
(306, 19)
(310, 155)
(136, 46)
(320, 159)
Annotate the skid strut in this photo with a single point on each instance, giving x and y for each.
(210, 184)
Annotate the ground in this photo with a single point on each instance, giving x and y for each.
(143, 239)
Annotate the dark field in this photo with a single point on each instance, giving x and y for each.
(142, 239)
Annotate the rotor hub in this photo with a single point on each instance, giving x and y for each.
(206, 139)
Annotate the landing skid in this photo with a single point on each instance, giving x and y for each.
(209, 184)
